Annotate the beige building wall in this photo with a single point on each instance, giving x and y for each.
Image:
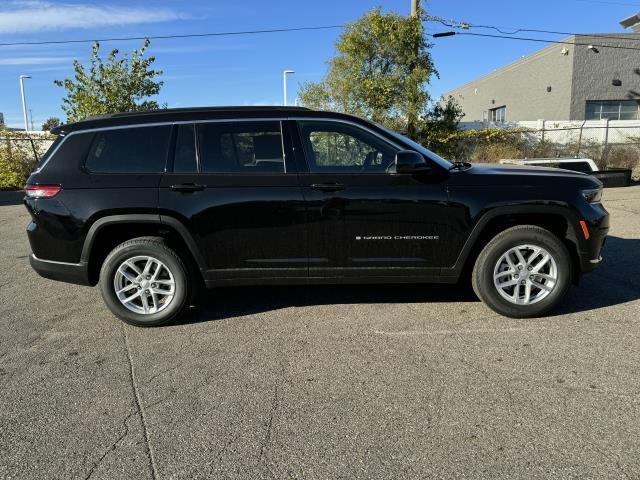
(522, 87)
(593, 73)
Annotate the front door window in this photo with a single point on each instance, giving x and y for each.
(333, 147)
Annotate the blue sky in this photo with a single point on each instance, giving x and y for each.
(247, 70)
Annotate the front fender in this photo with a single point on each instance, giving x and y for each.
(485, 217)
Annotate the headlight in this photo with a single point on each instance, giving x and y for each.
(592, 195)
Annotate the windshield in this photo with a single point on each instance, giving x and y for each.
(419, 148)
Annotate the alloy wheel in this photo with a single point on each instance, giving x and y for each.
(525, 274)
(144, 285)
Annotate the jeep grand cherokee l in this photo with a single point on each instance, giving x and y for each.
(151, 205)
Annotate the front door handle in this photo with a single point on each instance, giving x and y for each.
(328, 187)
(187, 187)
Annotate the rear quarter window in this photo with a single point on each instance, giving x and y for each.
(66, 152)
(129, 150)
(52, 148)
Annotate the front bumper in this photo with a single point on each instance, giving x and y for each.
(77, 273)
(591, 248)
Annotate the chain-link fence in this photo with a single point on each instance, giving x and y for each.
(609, 146)
(19, 155)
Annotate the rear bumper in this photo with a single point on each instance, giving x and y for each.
(77, 273)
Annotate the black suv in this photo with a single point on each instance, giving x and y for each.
(152, 205)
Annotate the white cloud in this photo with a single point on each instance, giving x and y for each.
(36, 16)
(35, 60)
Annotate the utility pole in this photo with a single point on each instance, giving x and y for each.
(31, 118)
(412, 116)
(24, 102)
(284, 85)
(415, 6)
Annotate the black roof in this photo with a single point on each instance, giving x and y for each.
(191, 114)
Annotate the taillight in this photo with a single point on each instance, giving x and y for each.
(42, 191)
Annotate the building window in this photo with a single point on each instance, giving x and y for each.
(498, 115)
(612, 110)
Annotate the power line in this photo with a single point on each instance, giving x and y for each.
(465, 25)
(162, 37)
(609, 3)
(529, 39)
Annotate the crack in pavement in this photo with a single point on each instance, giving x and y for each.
(162, 372)
(272, 413)
(136, 394)
(112, 447)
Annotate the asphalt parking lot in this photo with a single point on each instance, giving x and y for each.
(323, 382)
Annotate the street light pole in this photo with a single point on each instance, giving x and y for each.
(284, 84)
(24, 102)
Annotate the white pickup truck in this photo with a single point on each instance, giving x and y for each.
(613, 177)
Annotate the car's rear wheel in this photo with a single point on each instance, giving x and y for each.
(525, 271)
(144, 282)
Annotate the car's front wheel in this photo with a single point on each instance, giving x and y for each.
(525, 271)
(144, 282)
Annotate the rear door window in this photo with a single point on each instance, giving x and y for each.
(241, 147)
(129, 150)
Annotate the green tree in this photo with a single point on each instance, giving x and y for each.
(438, 124)
(50, 123)
(380, 71)
(115, 85)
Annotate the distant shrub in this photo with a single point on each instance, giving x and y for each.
(18, 157)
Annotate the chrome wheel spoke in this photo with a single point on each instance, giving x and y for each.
(516, 293)
(124, 289)
(145, 302)
(527, 293)
(541, 286)
(132, 297)
(544, 276)
(535, 253)
(126, 275)
(132, 266)
(519, 256)
(159, 291)
(541, 263)
(508, 283)
(154, 300)
(506, 273)
(147, 267)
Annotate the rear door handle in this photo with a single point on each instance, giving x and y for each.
(328, 187)
(187, 187)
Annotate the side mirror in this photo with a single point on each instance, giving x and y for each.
(408, 161)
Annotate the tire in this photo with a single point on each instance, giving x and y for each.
(496, 266)
(168, 284)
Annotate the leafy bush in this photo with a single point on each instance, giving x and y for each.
(490, 145)
(18, 155)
